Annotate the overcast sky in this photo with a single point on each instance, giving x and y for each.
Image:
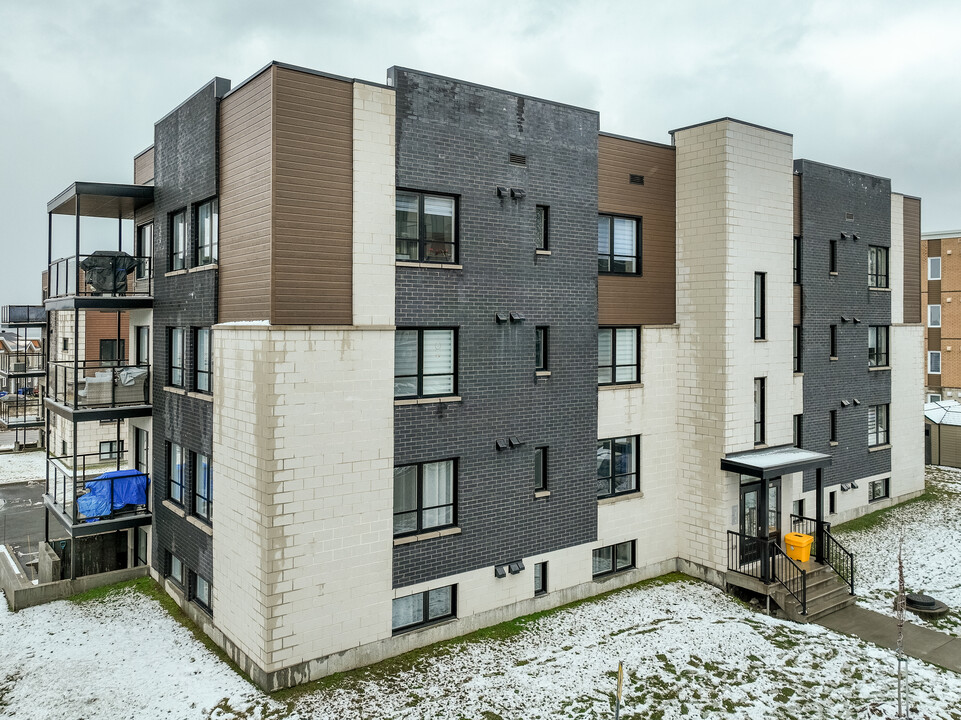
(872, 86)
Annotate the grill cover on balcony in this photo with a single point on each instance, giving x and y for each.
(129, 488)
(106, 270)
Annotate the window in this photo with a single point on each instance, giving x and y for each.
(934, 362)
(423, 608)
(140, 541)
(879, 489)
(143, 345)
(424, 362)
(934, 316)
(833, 257)
(540, 348)
(178, 240)
(144, 250)
(798, 430)
(877, 425)
(110, 449)
(110, 356)
(542, 233)
(759, 306)
(797, 259)
(934, 397)
(834, 341)
(618, 245)
(934, 268)
(759, 406)
(203, 487)
(202, 359)
(175, 471)
(176, 570)
(426, 228)
(540, 468)
(617, 466)
(798, 509)
(832, 502)
(141, 448)
(176, 357)
(66, 344)
(540, 578)
(877, 266)
(424, 497)
(207, 231)
(798, 365)
(878, 346)
(833, 434)
(613, 558)
(201, 591)
(617, 356)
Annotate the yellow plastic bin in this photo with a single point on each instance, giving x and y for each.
(798, 546)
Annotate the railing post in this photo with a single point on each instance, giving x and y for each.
(765, 547)
(819, 505)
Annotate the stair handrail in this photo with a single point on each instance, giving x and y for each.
(839, 558)
(800, 574)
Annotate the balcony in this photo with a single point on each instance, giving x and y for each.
(22, 364)
(20, 411)
(96, 492)
(83, 390)
(104, 279)
(23, 315)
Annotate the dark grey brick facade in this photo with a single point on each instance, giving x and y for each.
(455, 138)
(185, 174)
(828, 195)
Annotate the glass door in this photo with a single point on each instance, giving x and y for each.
(750, 528)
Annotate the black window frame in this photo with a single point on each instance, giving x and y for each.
(540, 578)
(833, 342)
(420, 364)
(195, 595)
(541, 455)
(798, 508)
(176, 374)
(542, 339)
(141, 464)
(798, 349)
(760, 306)
(615, 568)
(799, 430)
(201, 371)
(200, 257)
(760, 410)
(140, 556)
(143, 250)
(878, 356)
(797, 259)
(882, 417)
(614, 366)
(177, 256)
(609, 255)
(113, 452)
(179, 579)
(426, 610)
(174, 480)
(833, 502)
(421, 239)
(885, 489)
(833, 257)
(610, 446)
(421, 509)
(202, 506)
(878, 276)
(542, 226)
(108, 344)
(142, 345)
(832, 426)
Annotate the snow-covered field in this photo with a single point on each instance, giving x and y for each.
(688, 650)
(22, 467)
(932, 552)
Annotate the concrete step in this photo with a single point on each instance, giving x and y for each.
(826, 593)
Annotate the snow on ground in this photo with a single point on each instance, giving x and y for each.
(932, 552)
(23, 467)
(688, 650)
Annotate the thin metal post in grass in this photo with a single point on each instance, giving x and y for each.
(620, 689)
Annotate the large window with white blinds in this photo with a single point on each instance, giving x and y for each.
(424, 497)
(425, 362)
(617, 356)
(426, 227)
(618, 244)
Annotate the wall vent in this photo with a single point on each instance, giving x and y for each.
(637, 179)
(849, 216)
(515, 159)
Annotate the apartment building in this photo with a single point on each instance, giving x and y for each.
(940, 282)
(397, 392)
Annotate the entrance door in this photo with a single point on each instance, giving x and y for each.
(752, 525)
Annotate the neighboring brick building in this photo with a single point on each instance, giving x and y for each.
(429, 355)
(940, 297)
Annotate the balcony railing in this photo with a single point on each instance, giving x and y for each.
(22, 314)
(21, 362)
(19, 410)
(103, 273)
(85, 488)
(765, 560)
(98, 384)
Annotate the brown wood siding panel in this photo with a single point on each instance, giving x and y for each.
(650, 298)
(797, 205)
(934, 338)
(103, 326)
(313, 200)
(245, 201)
(143, 167)
(797, 305)
(912, 260)
(932, 428)
(949, 444)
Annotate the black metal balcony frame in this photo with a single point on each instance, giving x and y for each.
(66, 277)
(21, 412)
(32, 363)
(35, 315)
(67, 478)
(64, 378)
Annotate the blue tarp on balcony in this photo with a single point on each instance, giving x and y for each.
(129, 487)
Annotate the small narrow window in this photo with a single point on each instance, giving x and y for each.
(797, 259)
(540, 468)
(201, 591)
(541, 335)
(798, 366)
(143, 345)
(176, 344)
(175, 472)
(833, 434)
(833, 502)
(759, 409)
(141, 450)
(542, 233)
(202, 367)
(934, 316)
(834, 342)
(798, 509)
(177, 573)
(934, 268)
(798, 430)
(207, 232)
(203, 495)
(540, 578)
(178, 240)
(934, 362)
(144, 250)
(833, 257)
(877, 267)
(759, 302)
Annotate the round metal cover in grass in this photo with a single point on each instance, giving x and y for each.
(921, 602)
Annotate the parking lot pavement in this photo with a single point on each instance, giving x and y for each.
(21, 518)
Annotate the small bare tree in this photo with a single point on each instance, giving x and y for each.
(899, 607)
